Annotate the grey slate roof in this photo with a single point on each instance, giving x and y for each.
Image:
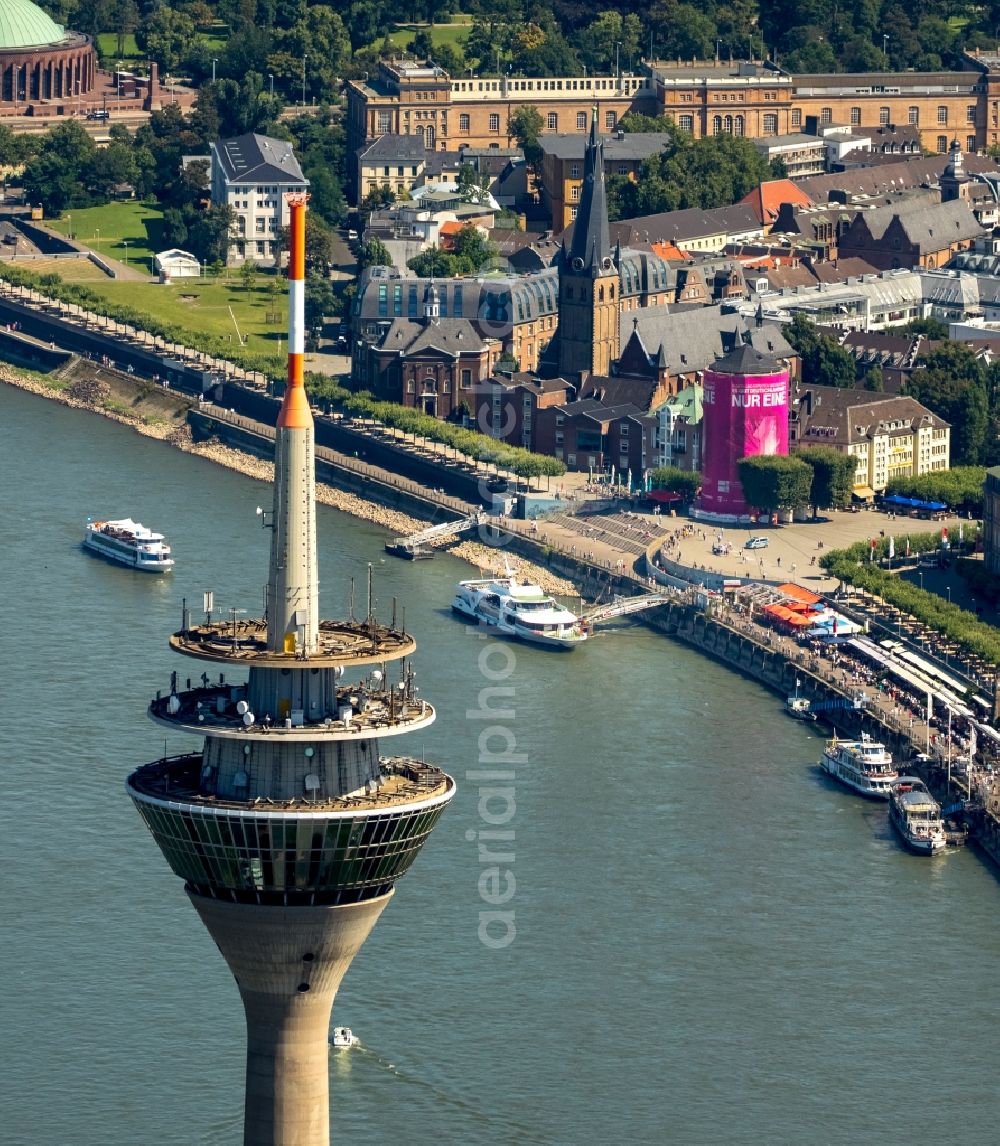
(883, 179)
(258, 159)
(591, 243)
(744, 359)
(451, 336)
(394, 149)
(929, 226)
(693, 339)
(636, 146)
(693, 223)
(854, 415)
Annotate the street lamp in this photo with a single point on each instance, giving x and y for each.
(921, 576)
(618, 73)
(304, 58)
(885, 48)
(214, 62)
(125, 245)
(271, 78)
(97, 242)
(948, 588)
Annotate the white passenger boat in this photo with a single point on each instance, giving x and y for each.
(129, 543)
(916, 816)
(343, 1037)
(863, 765)
(519, 609)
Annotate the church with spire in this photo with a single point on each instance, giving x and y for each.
(578, 360)
(588, 337)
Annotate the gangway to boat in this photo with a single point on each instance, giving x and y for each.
(416, 545)
(623, 606)
(852, 702)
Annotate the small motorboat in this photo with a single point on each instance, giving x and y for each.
(798, 708)
(343, 1038)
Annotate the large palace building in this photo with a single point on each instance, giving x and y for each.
(39, 59)
(706, 98)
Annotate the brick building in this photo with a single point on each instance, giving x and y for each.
(40, 61)
(563, 160)
(434, 365)
(411, 98)
(704, 97)
(912, 233)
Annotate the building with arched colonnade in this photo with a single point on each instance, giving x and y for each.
(40, 60)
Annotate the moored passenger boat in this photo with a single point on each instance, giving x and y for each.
(916, 816)
(863, 765)
(129, 543)
(519, 609)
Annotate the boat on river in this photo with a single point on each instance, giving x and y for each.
(129, 543)
(343, 1038)
(798, 708)
(916, 816)
(514, 608)
(864, 765)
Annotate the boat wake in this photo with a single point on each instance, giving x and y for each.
(521, 1133)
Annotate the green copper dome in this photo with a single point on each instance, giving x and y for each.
(25, 25)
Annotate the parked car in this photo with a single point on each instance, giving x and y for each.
(99, 113)
(756, 543)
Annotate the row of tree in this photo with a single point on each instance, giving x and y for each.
(855, 566)
(960, 488)
(819, 476)
(470, 443)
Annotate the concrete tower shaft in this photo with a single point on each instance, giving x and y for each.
(288, 964)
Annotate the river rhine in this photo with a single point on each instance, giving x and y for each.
(714, 945)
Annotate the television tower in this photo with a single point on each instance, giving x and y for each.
(289, 828)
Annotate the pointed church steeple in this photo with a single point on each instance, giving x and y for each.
(588, 338)
(591, 238)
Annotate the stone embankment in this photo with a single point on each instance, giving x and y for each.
(177, 433)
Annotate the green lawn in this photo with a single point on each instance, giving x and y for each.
(107, 47)
(107, 229)
(454, 34)
(204, 305)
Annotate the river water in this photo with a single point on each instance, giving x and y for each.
(713, 944)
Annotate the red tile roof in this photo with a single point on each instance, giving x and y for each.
(766, 199)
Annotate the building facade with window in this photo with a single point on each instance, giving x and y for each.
(405, 97)
(703, 97)
(434, 364)
(563, 156)
(889, 437)
(912, 233)
(253, 174)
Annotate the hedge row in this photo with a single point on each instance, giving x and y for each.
(479, 447)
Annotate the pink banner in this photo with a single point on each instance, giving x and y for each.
(744, 416)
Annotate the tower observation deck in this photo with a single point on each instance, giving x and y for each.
(290, 827)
